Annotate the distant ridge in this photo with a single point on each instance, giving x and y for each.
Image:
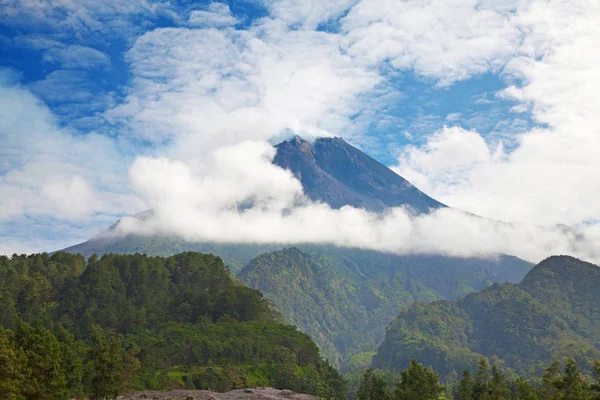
(554, 313)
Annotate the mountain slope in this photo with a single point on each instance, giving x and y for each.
(344, 299)
(194, 326)
(553, 313)
(334, 172)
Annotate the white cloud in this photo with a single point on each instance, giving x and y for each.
(71, 197)
(552, 175)
(453, 117)
(51, 176)
(439, 39)
(36, 42)
(195, 91)
(206, 88)
(75, 56)
(449, 147)
(83, 18)
(237, 195)
(217, 15)
(308, 14)
(65, 86)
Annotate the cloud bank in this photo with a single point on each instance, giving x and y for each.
(550, 174)
(238, 196)
(207, 92)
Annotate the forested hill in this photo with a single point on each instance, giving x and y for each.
(344, 298)
(127, 322)
(552, 314)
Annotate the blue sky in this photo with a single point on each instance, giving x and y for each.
(480, 103)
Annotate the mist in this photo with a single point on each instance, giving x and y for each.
(236, 195)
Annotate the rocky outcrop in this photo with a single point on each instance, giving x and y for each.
(241, 394)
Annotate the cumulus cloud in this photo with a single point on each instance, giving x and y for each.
(206, 88)
(551, 175)
(201, 89)
(443, 40)
(208, 96)
(217, 15)
(238, 196)
(49, 174)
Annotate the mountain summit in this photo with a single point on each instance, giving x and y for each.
(336, 173)
(329, 169)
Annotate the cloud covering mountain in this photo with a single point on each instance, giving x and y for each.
(185, 100)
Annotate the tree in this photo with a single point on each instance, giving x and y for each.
(465, 386)
(372, 387)
(13, 372)
(550, 381)
(112, 367)
(596, 386)
(481, 387)
(418, 383)
(573, 384)
(71, 361)
(498, 386)
(46, 378)
(524, 390)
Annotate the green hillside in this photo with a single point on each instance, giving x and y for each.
(125, 322)
(554, 313)
(344, 298)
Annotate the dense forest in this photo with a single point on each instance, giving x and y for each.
(344, 298)
(554, 313)
(70, 328)
(485, 382)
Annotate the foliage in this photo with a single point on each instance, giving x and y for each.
(485, 383)
(344, 298)
(418, 383)
(372, 387)
(553, 314)
(126, 322)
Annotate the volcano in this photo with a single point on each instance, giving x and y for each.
(336, 173)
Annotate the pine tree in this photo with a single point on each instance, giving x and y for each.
(418, 383)
(550, 380)
(112, 367)
(524, 390)
(43, 352)
(481, 388)
(596, 386)
(372, 387)
(573, 385)
(13, 368)
(498, 386)
(466, 386)
(72, 363)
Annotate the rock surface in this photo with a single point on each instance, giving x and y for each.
(241, 394)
